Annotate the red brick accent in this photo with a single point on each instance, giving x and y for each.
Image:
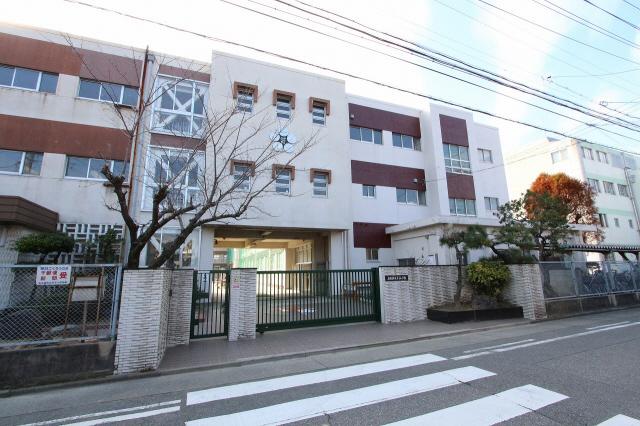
(386, 175)
(461, 186)
(378, 119)
(31, 134)
(184, 73)
(371, 235)
(453, 130)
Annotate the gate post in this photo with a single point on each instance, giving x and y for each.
(377, 293)
(242, 304)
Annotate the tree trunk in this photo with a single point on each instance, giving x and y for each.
(133, 260)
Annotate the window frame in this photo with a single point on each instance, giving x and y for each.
(584, 153)
(420, 197)
(601, 155)
(38, 83)
(465, 203)
(488, 201)
(369, 251)
(623, 190)
(315, 106)
(374, 133)
(249, 174)
(604, 221)
(595, 185)
(279, 173)
(103, 179)
(369, 194)
(157, 109)
(23, 157)
(101, 87)
(563, 154)
(482, 152)
(314, 183)
(415, 142)
(608, 187)
(449, 160)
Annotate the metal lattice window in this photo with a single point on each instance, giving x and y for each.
(456, 159)
(179, 109)
(85, 235)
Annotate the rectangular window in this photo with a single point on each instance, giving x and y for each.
(283, 106)
(242, 173)
(319, 113)
(20, 162)
(183, 170)
(558, 156)
(587, 153)
(405, 141)
(365, 134)
(411, 196)
(616, 221)
(631, 223)
(372, 255)
(369, 191)
(108, 92)
(603, 157)
(320, 184)
(179, 109)
(609, 188)
(461, 207)
(91, 168)
(623, 190)
(491, 203)
(594, 184)
(23, 78)
(456, 159)
(486, 156)
(604, 222)
(244, 99)
(283, 181)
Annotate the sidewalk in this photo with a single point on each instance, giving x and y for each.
(218, 352)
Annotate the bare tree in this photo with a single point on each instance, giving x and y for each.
(215, 172)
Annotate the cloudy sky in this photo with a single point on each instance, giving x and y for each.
(529, 41)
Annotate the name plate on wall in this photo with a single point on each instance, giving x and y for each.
(396, 277)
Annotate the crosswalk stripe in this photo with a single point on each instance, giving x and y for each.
(620, 420)
(489, 410)
(325, 404)
(124, 417)
(268, 385)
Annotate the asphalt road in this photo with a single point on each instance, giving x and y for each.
(581, 371)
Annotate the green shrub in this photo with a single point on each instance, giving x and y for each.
(45, 243)
(488, 278)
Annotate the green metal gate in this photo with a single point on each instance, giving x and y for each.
(288, 299)
(210, 304)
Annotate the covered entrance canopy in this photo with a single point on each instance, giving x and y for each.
(606, 249)
(270, 248)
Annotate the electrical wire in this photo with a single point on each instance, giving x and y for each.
(632, 25)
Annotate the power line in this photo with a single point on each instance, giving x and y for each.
(557, 32)
(632, 25)
(631, 4)
(476, 71)
(328, 69)
(418, 65)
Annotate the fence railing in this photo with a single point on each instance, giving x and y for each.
(586, 279)
(32, 313)
(303, 298)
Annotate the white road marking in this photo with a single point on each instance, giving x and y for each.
(103, 413)
(491, 409)
(458, 358)
(620, 420)
(607, 325)
(126, 417)
(325, 404)
(268, 385)
(498, 346)
(569, 336)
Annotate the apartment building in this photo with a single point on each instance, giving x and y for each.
(380, 185)
(611, 173)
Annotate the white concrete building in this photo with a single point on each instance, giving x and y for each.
(611, 173)
(379, 187)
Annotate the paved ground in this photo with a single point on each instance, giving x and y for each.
(580, 370)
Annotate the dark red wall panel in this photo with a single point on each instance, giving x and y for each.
(31, 134)
(454, 130)
(379, 119)
(371, 235)
(184, 73)
(386, 175)
(461, 186)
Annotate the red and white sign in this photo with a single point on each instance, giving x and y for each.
(53, 275)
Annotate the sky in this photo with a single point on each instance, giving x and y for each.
(586, 69)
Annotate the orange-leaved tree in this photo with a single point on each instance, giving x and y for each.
(577, 195)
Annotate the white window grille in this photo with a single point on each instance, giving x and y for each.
(244, 99)
(320, 184)
(86, 236)
(181, 170)
(180, 108)
(456, 159)
(283, 181)
(319, 113)
(283, 106)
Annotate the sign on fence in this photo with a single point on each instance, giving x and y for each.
(53, 275)
(401, 277)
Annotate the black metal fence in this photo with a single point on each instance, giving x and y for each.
(209, 312)
(585, 279)
(287, 299)
(33, 311)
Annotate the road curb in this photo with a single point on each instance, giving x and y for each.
(249, 361)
